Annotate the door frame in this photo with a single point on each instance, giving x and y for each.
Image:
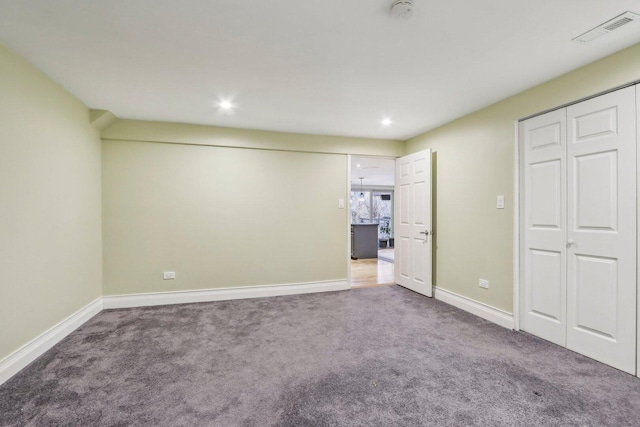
(637, 86)
(516, 226)
(348, 207)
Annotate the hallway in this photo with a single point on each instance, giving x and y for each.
(371, 272)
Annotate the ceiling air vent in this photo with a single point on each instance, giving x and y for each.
(607, 27)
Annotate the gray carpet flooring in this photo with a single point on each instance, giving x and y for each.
(367, 357)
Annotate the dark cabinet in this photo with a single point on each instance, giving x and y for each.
(364, 240)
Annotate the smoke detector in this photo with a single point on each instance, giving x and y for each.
(402, 8)
(607, 27)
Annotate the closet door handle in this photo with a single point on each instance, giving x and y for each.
(570, 243)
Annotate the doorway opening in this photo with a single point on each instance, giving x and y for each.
(372, 235)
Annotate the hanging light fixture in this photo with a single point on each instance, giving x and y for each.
(361, 196)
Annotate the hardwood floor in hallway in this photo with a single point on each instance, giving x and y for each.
(372, 272)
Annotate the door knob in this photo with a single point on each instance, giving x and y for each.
(426, 232)
(570, 243)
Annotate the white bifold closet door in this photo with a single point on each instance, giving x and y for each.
(579, 282)
(545, 226)
(601, 286)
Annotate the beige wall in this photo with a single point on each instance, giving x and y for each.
(50, 213)
(474, 163)
(223, 207)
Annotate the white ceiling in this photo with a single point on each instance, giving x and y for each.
(330, 67)
(375, 171)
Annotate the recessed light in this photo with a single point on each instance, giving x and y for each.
(358, 165)
(226, 105)
(386, 122)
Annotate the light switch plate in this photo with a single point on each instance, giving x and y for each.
(500, 202)
(340, 203)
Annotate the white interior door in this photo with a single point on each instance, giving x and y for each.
(544, 252)
(412, 222)
(601, 241)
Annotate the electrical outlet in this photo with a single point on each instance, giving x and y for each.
(169, 275)
(483, 284)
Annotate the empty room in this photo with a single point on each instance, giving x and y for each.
(319, 213)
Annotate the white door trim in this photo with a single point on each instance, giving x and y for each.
(637, 87)
(347, 207)
(516, 227)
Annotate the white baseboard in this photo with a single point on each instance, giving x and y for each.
(29, 352)
(485, 311)
(222, 294)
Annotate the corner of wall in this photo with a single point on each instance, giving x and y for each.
(101, 119)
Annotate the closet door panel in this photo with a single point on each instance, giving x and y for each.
(544, 281)
(601, 238)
